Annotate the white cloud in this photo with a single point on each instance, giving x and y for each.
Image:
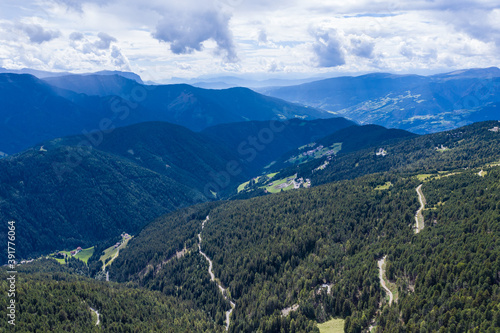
(267, 37)
(327, 48)
(186, 31)
(37, 34)
(104, 41)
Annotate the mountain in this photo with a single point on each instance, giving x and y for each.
(293, 259)
(224, 82)
(466, 147)
(171, 150)
(258, 143)
(77, 196)
(34, 111)
(45, 74)
(281, 262)
(100, 85)
(82, 190)
(343, 141)
(38, 73)
(420, 104)
(189, 106)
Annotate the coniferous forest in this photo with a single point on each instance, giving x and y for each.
(291, 260)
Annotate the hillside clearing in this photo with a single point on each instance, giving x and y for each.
(112, 251)
(335, 325)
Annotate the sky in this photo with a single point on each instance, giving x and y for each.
(161, 39)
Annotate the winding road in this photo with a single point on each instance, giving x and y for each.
(381, 274)
(419, 216)
(212, 277)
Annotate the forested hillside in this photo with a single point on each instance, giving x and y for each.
(170, 150)
(448, 277)
(67, 197)
(259, 143)
(344, 141)
(81, 190)
(49, 299)
(314, 252)
(466, 147)
(286, 261)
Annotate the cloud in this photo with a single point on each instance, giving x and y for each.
(119, 60)
(481, 24)
(362, 47)
(187, 30)
(37, 34)
(76, 36)
(76, 5)
(327, 48)
(104, 41)
(418, 53)
(262, 37)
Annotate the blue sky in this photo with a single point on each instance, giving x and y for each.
(160, 39)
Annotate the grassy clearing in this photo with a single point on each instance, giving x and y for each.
(94, 317)
(332, 326)
(424, 176)
(242, 186)
(85, 254)
(272, 188)
(111, 251)
(299, 159)
(386, 186)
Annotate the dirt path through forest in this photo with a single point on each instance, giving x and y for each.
(381, 274)
(212, 277)
(419, 216)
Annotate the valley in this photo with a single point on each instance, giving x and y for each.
(267, 225)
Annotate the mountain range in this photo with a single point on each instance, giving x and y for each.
(420, 104)
(250, 213)
(35, 111)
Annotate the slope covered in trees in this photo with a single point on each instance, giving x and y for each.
(466, 147)
(448, 277)
(51, 300)
(81, 190)
(67, 197)
(349, 139)
(259, 143)
(280, 251)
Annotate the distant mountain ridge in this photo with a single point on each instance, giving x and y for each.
(34, 111)
(46, 74)
(421, 104)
